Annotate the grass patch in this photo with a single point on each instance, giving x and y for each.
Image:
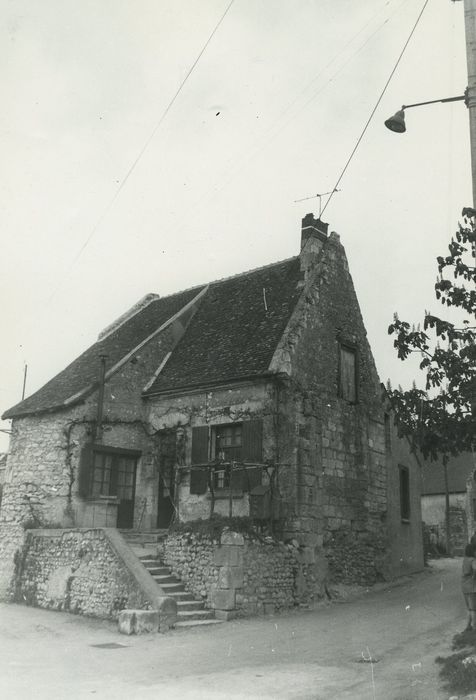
(458, 671)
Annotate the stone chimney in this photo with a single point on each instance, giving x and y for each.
(313, 237)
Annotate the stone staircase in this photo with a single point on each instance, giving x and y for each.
(148, 547)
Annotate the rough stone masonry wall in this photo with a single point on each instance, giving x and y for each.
(191, 558)
(75, 571)
(38, 485)
(241, 575)
(269, 580)
(335, 485)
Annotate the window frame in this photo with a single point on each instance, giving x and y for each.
(350, 347)
(115, 453)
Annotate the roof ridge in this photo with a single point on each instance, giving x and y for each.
(230, 277)
(127, 315)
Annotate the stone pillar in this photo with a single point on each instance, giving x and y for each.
(228, 557)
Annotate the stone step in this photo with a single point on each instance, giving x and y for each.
(158, 570)
(147, 547)
(165, 578)
(185, 615)
(176, 587)
(148, 551)
(149, 560)
(180, 595)
(136, 537)
(183, 605)
(197, 623)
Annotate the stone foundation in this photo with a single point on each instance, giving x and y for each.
(244, 575)
(86, 572)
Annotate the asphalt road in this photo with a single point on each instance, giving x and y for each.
(320, 654)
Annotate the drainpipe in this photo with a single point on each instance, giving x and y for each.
(102, 378)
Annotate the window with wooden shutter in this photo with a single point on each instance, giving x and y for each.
(348, 376)
(253, 477)
(200, 450)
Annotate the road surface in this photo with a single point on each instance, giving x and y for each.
(319, 654)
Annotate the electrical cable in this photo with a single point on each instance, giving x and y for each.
(376, 106)
(146, 144)
(276, 129)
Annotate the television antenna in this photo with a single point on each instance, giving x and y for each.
(319, 196)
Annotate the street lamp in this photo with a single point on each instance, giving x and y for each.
(397, 122)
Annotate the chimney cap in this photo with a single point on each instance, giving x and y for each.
(310, 222)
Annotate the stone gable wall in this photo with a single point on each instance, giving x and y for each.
(333, 478)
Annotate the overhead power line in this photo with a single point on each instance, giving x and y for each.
(278, 126)
(376, 105)
(146, 144)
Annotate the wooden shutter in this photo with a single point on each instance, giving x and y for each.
(85, 468)
(198, 480)
(348, 374)
(253, 478)
(237, 482)
(200, 445)
(252, 441)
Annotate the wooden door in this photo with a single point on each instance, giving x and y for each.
(167, 458)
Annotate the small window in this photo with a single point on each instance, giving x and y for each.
(404, 493)
(228, 444)
(347, 379)
(388, 432)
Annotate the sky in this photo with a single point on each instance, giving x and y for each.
(103, 199)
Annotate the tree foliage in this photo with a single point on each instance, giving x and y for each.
(438, 419)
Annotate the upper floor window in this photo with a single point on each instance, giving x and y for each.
(230, 446)
(227, 445)
(347, 375)
(228, 442)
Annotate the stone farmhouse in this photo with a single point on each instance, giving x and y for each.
(253, 395)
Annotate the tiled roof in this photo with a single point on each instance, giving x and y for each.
(84, 371)
(233, 335)
(459, 468)
(236, 329)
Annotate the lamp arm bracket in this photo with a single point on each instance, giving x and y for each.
(459, 98)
